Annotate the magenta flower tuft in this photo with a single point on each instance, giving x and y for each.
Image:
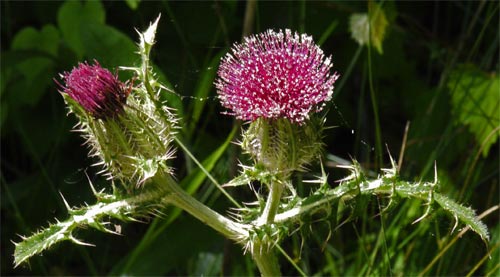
(96, 89)
(275, 75)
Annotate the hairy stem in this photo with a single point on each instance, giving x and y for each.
(264, 256)
(266, 261)
(218, 222)
(272, 204)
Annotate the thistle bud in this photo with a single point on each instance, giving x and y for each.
(125, 128)
(96, 89)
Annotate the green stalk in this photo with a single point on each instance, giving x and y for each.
(249, 18)
(266, 260)
(378, 132)
(218, 222)
(272, 204)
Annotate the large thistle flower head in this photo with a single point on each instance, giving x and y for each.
(96, 89)
(275, 75)
(277, 80)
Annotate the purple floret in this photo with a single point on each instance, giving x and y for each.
(96, 89)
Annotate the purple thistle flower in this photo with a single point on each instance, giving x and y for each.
(96, 89)
(275, 75)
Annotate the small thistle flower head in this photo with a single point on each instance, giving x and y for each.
(275, 75)
(132, 142)
(96, 89)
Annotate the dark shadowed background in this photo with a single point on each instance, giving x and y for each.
(438, 71)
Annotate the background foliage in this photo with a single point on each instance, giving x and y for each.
(438, 69)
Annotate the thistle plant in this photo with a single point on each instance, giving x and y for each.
(276, 82)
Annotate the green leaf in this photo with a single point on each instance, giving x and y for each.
(133, 4)
(475, 101)
(73, 16)
(378, 25)
(108, 45)
(37, 71)
(46, 40)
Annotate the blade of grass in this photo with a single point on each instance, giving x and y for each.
(376, 118)
(485, 257)
(383, 230)
(362, 252)
(474, 162)
(302, 16)
(299, 270)
(200, 94)
(348, 72)
(328, 32)
(212, 161)
(249, 19)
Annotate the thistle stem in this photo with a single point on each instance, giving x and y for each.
(218, 222)
(266, 261)
(264, 257)
(272, 203)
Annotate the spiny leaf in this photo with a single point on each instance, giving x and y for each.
(356, 185)
(250, 174)
(89, 216)
(38, 242)
(464, 214)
